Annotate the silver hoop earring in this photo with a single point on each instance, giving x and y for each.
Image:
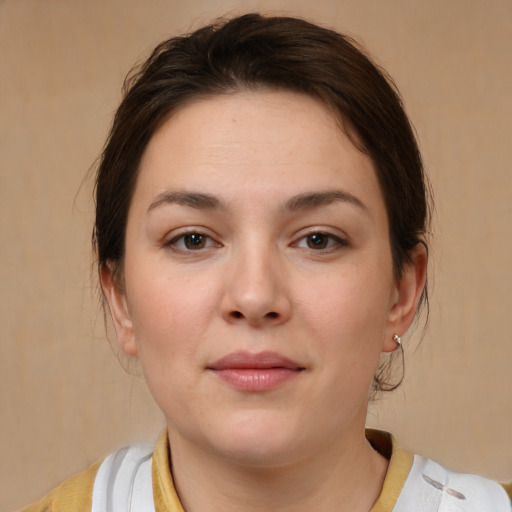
(397, 340)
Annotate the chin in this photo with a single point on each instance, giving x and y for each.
(259, 453)
(257, 440)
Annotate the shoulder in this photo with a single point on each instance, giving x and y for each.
(431, 483)
(124, 476)
(415, 482)
(107, 481)
(73, 495)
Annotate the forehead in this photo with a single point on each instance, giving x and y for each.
(284, 142)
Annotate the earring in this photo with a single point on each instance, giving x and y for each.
(397, 340)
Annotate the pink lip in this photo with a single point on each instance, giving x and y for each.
(255, 372)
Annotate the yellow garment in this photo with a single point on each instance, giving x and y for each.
(164, 493)
(75, 494)
(400, 463)
(508, 488)
(166, 499)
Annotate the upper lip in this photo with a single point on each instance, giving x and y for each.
(259, 361)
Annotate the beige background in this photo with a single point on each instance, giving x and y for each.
(65, 400)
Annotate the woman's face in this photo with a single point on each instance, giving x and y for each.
(258, 280)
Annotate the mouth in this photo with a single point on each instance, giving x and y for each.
(250, 372)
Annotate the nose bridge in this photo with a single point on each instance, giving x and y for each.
(256, 291)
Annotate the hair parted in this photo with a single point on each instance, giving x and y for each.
(251, 52)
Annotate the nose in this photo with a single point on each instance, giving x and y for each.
(256, 290)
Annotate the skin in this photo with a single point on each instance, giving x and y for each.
(257, 225)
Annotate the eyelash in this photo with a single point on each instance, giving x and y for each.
(333, 242)
(330, 242)
(178, 242)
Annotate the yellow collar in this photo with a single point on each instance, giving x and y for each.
(400, 462)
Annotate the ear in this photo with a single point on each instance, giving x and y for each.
(407, 296)
(118, 307)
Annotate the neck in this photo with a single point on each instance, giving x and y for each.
(347, 476)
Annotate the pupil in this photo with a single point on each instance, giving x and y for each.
(194, 241)
(317, 241)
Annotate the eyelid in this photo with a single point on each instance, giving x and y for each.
(340, 240)
(172, 239)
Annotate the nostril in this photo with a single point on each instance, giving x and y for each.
(270, 314)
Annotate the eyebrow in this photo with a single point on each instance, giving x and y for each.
(310, 200)
(193, 199)
(305, 201)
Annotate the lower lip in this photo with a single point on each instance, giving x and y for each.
(252, 379)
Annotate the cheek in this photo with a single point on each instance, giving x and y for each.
(346, 317)
(170, 315)
(170, 318)
(353, 301)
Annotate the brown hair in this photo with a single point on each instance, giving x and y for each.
(250, 52)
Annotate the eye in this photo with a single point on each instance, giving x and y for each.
(192, 242)
(320, 241)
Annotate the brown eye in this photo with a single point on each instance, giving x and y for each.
(317, 241)
(192, 242)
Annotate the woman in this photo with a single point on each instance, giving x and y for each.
(261, 232)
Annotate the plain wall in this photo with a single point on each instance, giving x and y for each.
(65, 400)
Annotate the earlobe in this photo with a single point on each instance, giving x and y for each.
(409, 290)
(117, 304)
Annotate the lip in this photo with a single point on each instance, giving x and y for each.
(258, 372)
